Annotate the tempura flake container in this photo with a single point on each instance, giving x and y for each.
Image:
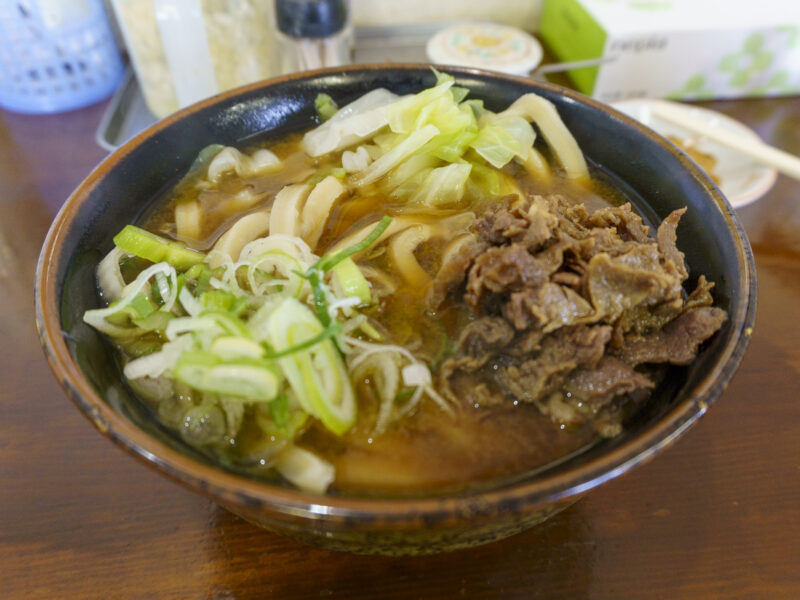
(187, 50)
(680, 49)
(56, 55)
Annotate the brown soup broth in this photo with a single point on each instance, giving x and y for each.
(428, 451)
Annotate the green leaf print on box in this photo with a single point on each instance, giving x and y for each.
(793, 34)
(778, 83)
(757, 68)
(695, 88)
(747, 62)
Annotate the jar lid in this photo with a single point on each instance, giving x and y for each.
(486, 46)
(310, 18)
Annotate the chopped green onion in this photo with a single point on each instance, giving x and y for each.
(328, 261)
(248, 379)
(141, 305)
(370, 331)
(109, 319)
(233, 347)
(156, 321)
(161, 290)
(404, 394)
(156, 249)
(220, 300)
(242, 381)
(203, 281)
(239, 305)
(320, 300)
(279, 409)
(194, 271)
(328, 332)
(351, 281)
(317, 375)
(325, 106)
(208, 321)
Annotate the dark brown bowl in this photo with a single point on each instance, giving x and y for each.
(658, 178)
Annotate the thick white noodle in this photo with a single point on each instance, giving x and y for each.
(285, 216)
(401, 253)
(542, 112)
(241, 233)
(230, 159)
(188, 220)
(318, 207)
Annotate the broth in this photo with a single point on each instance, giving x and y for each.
(423, 453)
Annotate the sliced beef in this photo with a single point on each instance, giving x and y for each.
(678, 341)
(549, 306)
(610, 378)
(552, 257)
(498, 224)
(628, 224)
(455, 265)
(568, 278)
(606, 241)
(701, 296)
(529, 223)
(568, 303)
(642, 319)
(619, 284)
(518, 309)
(570, 216)
(480, 340)
(500, 270)
(667, 236)
(585, 344)
(541, 225)
(527, 342)
(568, 348)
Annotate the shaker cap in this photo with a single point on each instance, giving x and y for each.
(311, 18)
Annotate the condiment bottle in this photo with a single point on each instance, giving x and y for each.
(313, 34)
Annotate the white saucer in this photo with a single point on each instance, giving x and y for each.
(741, 179)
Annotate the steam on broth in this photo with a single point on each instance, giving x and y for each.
(417, 295)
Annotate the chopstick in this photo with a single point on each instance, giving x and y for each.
(786, 163)
(539, 72)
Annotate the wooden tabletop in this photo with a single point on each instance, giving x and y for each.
(715, 516)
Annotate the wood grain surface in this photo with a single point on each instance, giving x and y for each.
(715, 516)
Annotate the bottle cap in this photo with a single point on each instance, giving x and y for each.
(486, 46)
(310, 18)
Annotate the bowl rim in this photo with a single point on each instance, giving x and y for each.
(515, 498)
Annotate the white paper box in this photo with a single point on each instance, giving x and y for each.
(680, 49)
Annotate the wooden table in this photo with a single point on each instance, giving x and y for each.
(715, 516)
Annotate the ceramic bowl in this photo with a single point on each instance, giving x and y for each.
(657, 178)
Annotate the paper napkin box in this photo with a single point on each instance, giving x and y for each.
(680, 49)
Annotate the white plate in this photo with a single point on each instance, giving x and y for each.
(741, 179)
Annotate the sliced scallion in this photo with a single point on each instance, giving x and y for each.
(154, 248)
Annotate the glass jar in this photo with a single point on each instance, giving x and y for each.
(187, 50)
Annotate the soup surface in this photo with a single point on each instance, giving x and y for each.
(394, 304)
